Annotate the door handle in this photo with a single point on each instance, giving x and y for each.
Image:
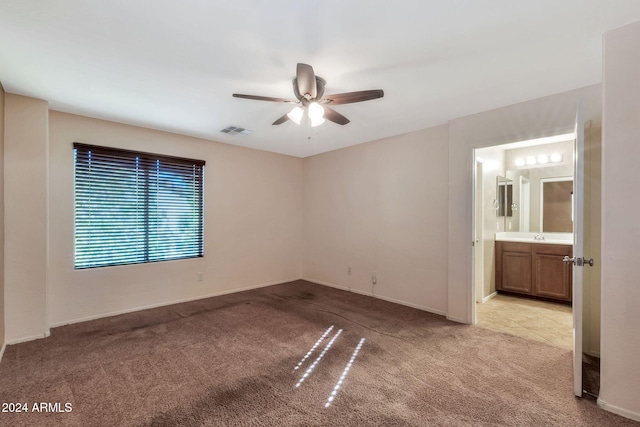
(578, 261)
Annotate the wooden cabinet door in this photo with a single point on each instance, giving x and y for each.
(551, 276)
(513, 267)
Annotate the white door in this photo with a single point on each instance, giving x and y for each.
(578, 259)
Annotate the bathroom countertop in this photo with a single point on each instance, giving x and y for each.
(549, 238)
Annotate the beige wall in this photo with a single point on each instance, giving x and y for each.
(25, 217)
(2, 332)
(620, 366)
(381, 207)
(253, 223)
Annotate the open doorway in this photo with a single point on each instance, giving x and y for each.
(509, 209)
(520, 171)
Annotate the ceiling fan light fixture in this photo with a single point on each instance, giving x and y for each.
(296, 115)
(316, 111)
(316, 121)
(316, 114)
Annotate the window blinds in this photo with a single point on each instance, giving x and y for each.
(133, 207)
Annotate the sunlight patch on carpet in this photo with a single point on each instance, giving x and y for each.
(344, 374)
(318, 359)
(310, 352)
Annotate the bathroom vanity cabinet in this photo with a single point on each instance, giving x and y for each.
(534, 269)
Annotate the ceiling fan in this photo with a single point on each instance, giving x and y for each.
(309, 92)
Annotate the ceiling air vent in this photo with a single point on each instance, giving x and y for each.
(236, 131)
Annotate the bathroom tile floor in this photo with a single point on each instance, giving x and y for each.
(538, 320)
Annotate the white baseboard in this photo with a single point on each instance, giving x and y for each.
(384, 298)
(25, 339)
(488, 297)
(331, 285)
(457, 319)
(2, 351)
(617, 410)
(163, 304)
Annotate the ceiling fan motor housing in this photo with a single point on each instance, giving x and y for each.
(320, 83)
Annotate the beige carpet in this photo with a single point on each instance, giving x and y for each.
(231, 361)
(545, 321)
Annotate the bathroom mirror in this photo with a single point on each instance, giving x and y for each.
(504, 196)
(532, 210)
(556, 205)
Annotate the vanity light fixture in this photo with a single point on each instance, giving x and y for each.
(556, 158)
(542, 159)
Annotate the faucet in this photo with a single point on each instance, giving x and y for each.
(538, 236)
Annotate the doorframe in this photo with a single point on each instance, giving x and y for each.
(478, 231)
(474, 259)
(525, 203)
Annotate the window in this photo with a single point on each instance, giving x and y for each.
(135, 207)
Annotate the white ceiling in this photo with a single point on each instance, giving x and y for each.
(173, 65)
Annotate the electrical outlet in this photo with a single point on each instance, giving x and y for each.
(200, 276)
(348, 271)
(374, 278)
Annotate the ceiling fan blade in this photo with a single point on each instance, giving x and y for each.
(334, 116)
(306, 80)
(264, 98)
(351, 97)
(281, 120)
